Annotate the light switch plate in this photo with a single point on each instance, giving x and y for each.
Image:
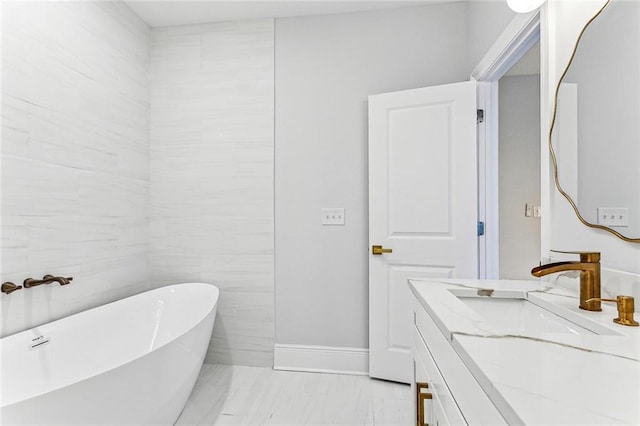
(532, 210)
(537, 211)
(333, 216)
(613, 216)
(528, 210)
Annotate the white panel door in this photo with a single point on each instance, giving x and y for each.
(422, 206)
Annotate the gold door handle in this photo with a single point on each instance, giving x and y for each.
(421, 397)
(380, 250)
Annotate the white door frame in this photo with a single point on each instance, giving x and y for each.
(521, 33)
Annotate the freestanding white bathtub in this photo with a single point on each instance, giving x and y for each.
(133, 361)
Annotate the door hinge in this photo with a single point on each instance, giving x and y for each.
(480, 229)
(480, 116)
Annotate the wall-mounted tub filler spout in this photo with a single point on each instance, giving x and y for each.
(9, 287)
(589, 267)
(47, 279)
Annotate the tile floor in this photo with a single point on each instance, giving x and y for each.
(235, 395)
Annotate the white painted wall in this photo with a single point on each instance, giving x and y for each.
(75, 156)
(620, 260)
(212, 176)
(326, 67)
(486, 20)
(519, 171)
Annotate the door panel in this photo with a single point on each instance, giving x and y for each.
(398, 295)
(411, 161)
(422, 205)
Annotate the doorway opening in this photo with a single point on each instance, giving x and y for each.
(519, 167)
(520, 36)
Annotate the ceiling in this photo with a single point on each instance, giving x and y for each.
(160, 13)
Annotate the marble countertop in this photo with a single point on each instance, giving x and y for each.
(541, 377)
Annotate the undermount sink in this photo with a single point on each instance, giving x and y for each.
(520, 316)
(521, 313)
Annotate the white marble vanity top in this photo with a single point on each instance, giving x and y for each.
(536, 376)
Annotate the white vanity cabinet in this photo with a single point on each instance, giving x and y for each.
(450, 393)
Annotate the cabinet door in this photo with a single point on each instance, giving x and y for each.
(427, 406)
(458, 390)
(438, 417)
(443, 409)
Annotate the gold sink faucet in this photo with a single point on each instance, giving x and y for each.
(589, 267)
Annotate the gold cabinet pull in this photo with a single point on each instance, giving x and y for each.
(380, 250)
(421, 397)
(626, 307)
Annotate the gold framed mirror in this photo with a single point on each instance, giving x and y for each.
(594, 137)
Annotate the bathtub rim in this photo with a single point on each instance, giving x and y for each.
(108, 304)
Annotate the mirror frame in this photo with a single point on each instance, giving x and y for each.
(552, 152)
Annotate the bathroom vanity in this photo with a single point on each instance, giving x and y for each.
(519, 352)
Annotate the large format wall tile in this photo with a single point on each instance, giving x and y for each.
(75, 156)
(212, 165)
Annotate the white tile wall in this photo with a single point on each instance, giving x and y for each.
(75, 156)
(212, 94)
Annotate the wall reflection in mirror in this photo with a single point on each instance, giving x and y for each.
(596, 135)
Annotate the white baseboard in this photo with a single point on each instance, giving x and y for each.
(322, 359)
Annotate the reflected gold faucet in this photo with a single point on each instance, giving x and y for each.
(589, 267)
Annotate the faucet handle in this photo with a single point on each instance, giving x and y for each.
(626, 307)
(585, 256)
(9, 287)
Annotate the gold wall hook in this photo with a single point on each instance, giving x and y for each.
(626, 308)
